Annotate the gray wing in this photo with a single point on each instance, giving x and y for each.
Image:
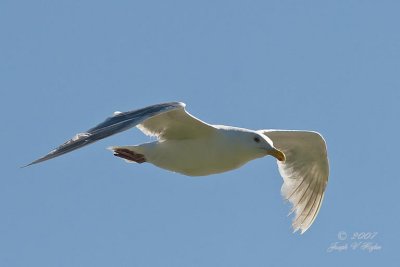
(175, 124)
(305, 172)
(120, 122)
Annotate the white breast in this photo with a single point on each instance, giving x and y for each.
(194, 157)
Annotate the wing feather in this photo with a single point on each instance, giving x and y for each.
(119, 122)
(305, 172)
(175, 124)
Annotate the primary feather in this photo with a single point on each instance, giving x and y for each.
(305, 172)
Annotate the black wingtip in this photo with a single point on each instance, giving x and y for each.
(30, 164)
(27, 165)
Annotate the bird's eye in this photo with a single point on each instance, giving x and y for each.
(257, 139)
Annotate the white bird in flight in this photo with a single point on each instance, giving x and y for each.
(192, 147)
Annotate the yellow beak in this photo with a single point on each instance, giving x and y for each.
(278, 155)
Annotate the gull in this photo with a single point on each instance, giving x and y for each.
(193, 147)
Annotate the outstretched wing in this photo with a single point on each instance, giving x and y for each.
(175, 124)
(305, 172)
(121, 121)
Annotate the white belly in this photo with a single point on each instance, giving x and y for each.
(193, 157)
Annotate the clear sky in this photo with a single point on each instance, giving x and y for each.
(329, 66)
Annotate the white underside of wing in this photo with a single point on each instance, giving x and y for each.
(305, 173)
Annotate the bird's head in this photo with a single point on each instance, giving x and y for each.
(256, 144)
(265, 146)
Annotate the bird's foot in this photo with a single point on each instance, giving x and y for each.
(129, 155)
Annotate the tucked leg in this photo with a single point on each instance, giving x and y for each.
(129, 155)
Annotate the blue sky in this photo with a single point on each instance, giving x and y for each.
(331, 66)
